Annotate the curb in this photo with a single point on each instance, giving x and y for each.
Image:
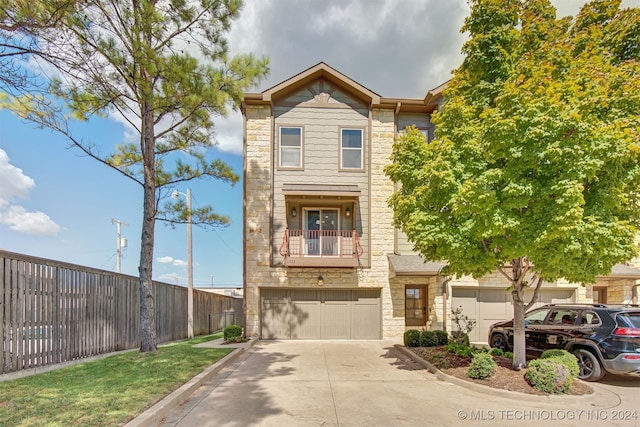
(515, 395)
(157, 412)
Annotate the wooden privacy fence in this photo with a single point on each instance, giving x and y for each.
(53, 312)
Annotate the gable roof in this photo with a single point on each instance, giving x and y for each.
(348, 85)
(320, 70)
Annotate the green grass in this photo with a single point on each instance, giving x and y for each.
(105, 392)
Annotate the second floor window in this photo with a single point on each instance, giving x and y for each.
(351, 149)
(290, 147)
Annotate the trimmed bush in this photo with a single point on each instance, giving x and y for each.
(508, 355)
(566, 358)
(428, 339)
(482, 366)
(549, 375)
(443, 337)
(412, 338)
(232, 332)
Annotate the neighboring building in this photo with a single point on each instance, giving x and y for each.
(322, 258)
(230, 292)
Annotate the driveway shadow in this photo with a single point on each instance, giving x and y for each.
(401, 361)
(237, 395)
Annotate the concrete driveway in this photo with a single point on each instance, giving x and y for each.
(371, 383)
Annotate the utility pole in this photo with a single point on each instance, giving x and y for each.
(175, 195)
(119, 242)
(189, 268)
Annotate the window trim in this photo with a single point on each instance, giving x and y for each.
(341, 148)
(279, 162)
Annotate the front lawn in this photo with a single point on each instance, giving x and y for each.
(105, 392)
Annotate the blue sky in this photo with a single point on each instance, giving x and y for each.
(56, 203)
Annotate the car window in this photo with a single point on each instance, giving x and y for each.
(562, 317)
(536, 317)
(589, 318)
(629, 320)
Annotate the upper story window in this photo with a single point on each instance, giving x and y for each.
(291, 147)
(351, 149)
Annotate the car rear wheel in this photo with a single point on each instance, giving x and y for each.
(590, 368)
(499, 341)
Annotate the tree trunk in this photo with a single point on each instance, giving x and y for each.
(519, 342)
(148, 338)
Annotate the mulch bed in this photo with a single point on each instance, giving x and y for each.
(505, 377)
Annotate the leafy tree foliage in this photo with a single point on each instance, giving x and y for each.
(534, 171)
(162, 65)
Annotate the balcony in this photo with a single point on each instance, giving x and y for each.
(321, 248)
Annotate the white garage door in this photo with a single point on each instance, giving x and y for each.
(488, 306)
(320, 314)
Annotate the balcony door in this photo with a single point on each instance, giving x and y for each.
(321, 232)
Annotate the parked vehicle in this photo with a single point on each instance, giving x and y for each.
(604, 338)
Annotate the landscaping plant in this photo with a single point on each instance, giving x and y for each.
(482, 366)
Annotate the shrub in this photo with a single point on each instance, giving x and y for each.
(564, 357)
(464, 325)
(412, 338)
(482, 366)
(442, 336)
(461, 349)
(496, 352)
(232, 332)
(549, 375)
(460, 337)
(428, 339)
(508, 355)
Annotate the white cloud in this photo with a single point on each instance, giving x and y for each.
(172, 261)
(15, 184)
(37, 223)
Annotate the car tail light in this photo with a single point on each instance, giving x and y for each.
(632, 357)
(633, 332)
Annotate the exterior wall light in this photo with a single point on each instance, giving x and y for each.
(320, 281)
(347, 213)
(294, 212)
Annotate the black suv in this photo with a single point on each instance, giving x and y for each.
(602, 337)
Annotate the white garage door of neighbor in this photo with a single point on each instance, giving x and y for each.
(488, 306)
(320, 314)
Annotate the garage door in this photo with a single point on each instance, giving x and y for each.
(488, 306)
(320, 314)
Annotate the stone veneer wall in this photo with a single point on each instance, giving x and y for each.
(257, 210)
(382, 231)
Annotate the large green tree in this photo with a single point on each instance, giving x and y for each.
(534, 169)
(162, 65)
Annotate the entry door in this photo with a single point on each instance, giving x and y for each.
(322, 232)
(415, 305)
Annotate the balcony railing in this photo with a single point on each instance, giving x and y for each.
(321, 248)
